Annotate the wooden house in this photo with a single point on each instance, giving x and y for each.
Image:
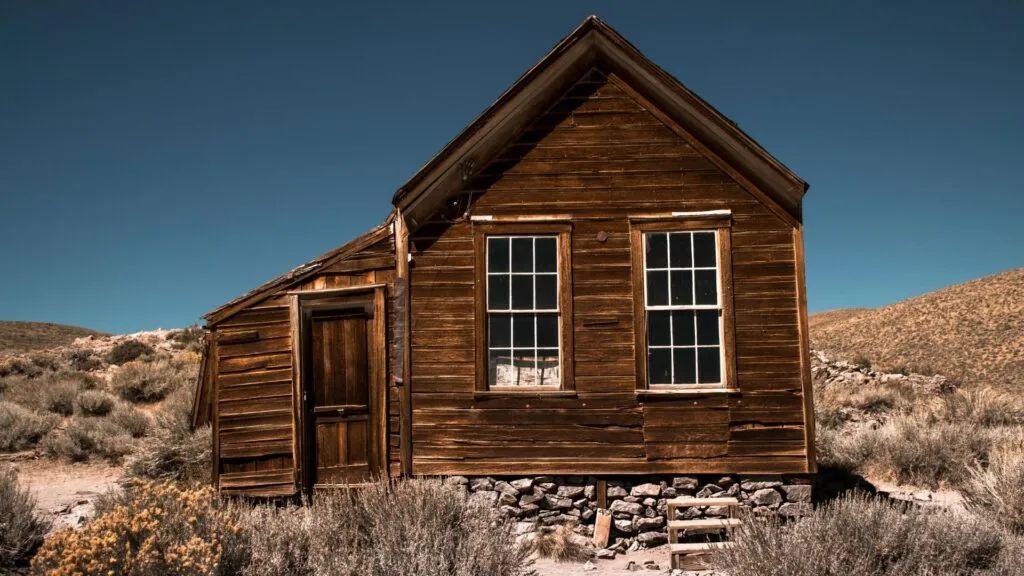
(601, 275)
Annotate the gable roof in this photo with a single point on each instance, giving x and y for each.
(593, 43)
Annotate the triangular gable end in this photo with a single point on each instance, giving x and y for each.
(596, 45)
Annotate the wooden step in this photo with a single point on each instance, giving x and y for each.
(699, 547)
(689, 502)
(704, 524)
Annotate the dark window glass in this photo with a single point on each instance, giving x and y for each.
(707, 327)
(657, 288)
(682, 287)
(497, 254)
(659, 365)
(710, 365)
(522, 254)
(685, 365)
(547, 330)
(547, 259)
(704, 250)
(658, 328)
(499, 331)
(497, 292)
(679, 245)
(682, 327)
(547, 292)
(522, 292)
(657, 251)
(522, 330)
(706, 286)
(499, 376)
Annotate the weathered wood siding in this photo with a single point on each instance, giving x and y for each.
(601, 155)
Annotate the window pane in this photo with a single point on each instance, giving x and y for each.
(547, 330)
(685, 365)
(522, 292)
(499, 368)
(707, 327)
(548, 368)
(679, 243)
(499, 333)
(682, 327)
(497, 254)
(657, 251)
(706, 286)
(709, 361)
(547, 292)
(658, 328)
(659, 365)
(522, 254)
(497, 292)
(682, 287)
(547, 259)
(522, 330)
(657, 288)
(704, 249)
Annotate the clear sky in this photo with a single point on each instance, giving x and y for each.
(160, 158)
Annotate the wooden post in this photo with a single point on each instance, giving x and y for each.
(602, 494)
(402, 334)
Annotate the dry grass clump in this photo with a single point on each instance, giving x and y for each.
(389, 529)
(134, 421)
(173, 451)
(562, 545)
(21, 528)
(128, 351)
(871, 537)
(21, 428)
(151, 529)
(95, 403)
(85, 438)
(142, 381)
(52, 393)
(998, 489)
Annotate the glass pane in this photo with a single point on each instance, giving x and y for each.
(679, 244)
(659, 365)
(709, 360)
(658, 328)
(704, 249)
(497, 254)
(682, 327)
(547, 258)
(548, 368)
(707, 327)
(657, 288)
(706, 286)
(522, 254)
(657, 251)
(497, 292)
(547, 292)
(522, 292)
(499, 333)
(499, 368)
(522, 330)
(547, 330)
(685, 365)
(682, 287)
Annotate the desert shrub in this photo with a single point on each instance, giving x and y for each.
(562, 545)
(84, 360)
(46, 361)
(915, 451)
(869, 537)
(85, 438)
(151, 529)
(54, 392)
(21, 428)
(190, 339)
(21, 528)
(149, 381)
(845, 450)
(984, 406)
(95, 402)
(134, 421)
(998, 489)
(368, 532)
(173, 451)
(863, 362)
(128, 351)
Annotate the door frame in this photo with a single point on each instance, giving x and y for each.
(372, 298)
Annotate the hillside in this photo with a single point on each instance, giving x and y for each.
(973, 331)
(18, 336)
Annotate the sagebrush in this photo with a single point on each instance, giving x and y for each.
(21, 428)
(21, 527)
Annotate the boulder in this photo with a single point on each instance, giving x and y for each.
(646, 491)
(507, 499)
(523, 485)
(624, 526)
(651, 539)
(477, 484)
(684, 483)
(649, 524)
(573, 492)
(627, 507)
(558, 502)
(616, 492)
(708, 490)
(766, 497)
(797, 492)
(754, 484)
(506, 488)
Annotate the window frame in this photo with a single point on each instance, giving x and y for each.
(563, 235)
(722, 227)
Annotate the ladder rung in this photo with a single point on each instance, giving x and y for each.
(704, 523)
(687, 502)
(699, 547)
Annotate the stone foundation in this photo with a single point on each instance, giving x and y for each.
(637, 504)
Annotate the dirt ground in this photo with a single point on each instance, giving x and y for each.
(616, 567)
(65, 492)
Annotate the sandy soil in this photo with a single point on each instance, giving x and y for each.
(616, 567)
(65, 492)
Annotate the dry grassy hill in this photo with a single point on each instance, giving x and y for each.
(27, 336)
(972, 331)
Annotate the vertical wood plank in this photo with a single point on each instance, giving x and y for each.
(214, 362)
(805, 351)
(298, 418)
(728, 305)
(568, 323)
(380, 385)
(405, 399)
(636, 243)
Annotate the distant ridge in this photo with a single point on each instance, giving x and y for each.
(972, 331)
(17, 336)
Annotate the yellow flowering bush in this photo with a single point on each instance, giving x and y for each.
(151, 529)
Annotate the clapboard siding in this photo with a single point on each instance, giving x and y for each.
(600, 156)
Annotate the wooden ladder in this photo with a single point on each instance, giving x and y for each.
(690, 556)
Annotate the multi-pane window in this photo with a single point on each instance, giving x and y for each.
(523, 323)
(684, 308)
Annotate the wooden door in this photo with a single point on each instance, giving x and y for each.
(341, 381)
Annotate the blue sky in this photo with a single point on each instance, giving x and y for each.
(160, 158)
